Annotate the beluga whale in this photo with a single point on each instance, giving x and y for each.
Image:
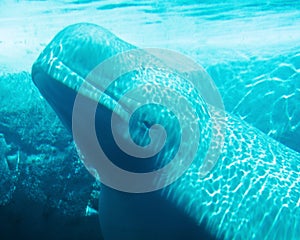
(150, 125)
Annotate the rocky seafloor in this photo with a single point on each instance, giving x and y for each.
(45, 190)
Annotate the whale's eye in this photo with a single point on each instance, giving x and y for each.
(147, 124)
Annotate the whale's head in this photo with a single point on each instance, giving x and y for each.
(106, 89)
(143, 110)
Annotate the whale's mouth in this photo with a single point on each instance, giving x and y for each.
(58, 72)
(60, 85)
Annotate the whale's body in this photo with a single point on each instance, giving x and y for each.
(264, 91)
(253, 192)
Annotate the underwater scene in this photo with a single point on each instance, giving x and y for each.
(150, 119)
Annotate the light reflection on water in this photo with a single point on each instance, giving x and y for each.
(255, 27)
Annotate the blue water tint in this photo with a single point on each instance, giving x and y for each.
(251, 49)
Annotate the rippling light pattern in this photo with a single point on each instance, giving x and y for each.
(253, 190)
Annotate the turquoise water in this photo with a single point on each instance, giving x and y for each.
(251, 50)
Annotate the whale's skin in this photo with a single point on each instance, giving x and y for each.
(253, 192)
(264, 91)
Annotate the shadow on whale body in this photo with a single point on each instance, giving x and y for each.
(251, 193)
